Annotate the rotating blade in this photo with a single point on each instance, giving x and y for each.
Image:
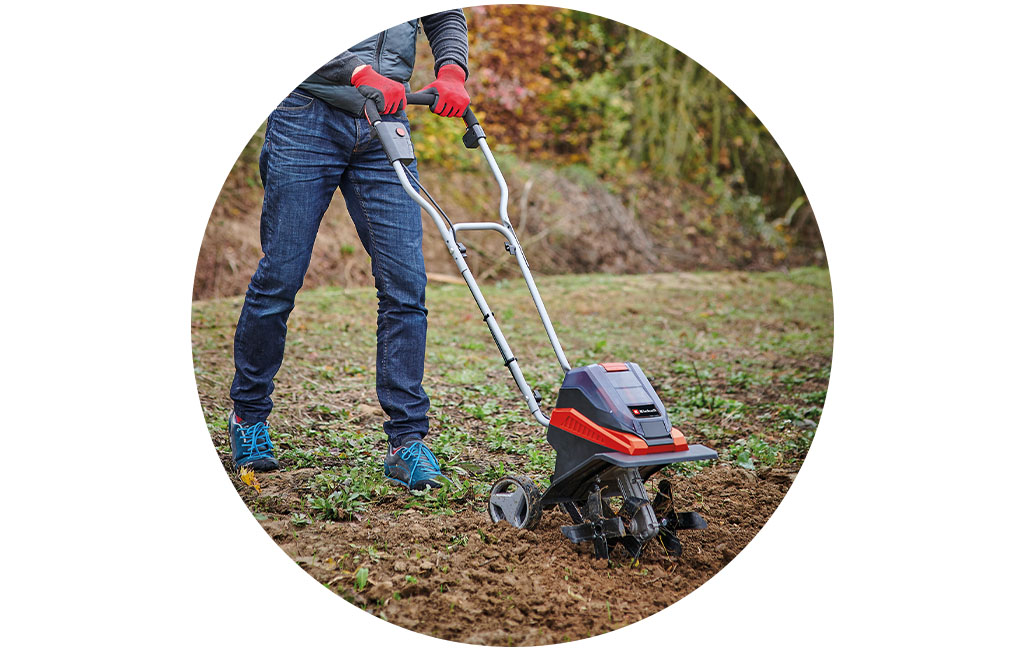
(571, 509)
(630, 506)
(664, 508)
(633, 546)
(663, 501)
(613, 527)
(580, 533)
(606, 508)
(671, 543)
(690, 521)
(600, 547)
(595, 505)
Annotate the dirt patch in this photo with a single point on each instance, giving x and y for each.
(461, 577)
(741, 361)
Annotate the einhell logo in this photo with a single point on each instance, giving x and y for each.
(645, 411)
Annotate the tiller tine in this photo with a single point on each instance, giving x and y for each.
(595, 504)
(663, 501)
(630, 506)
(601, 547)
(569, 508)
(579, 533)
(594, 522)
(669, 518)
(597, 527)
(603, 532)
(671, 543)
(690, 521)
(633, 546)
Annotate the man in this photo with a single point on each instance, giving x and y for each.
(318, 140)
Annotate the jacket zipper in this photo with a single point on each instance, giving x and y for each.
(378, 52)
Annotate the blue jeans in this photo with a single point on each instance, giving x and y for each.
(310, 149)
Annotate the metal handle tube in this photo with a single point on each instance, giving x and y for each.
(467, 275)
(484, 225)
(503, 200)
(370, 110)
(521, 258)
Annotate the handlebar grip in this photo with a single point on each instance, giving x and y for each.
(429, 98)
(473, 130)
(370, 111)
(422, 99)
(418, 99)
(469, 118)
(413, 99)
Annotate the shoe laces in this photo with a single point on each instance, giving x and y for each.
(417, 453)
(255, 439)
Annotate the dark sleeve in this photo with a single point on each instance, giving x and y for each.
(449, 38)
(339, 69)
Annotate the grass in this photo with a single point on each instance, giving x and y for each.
(741, 361)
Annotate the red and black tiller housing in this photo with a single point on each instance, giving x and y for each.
(609, 428)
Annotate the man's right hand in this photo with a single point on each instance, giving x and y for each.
(389, 95)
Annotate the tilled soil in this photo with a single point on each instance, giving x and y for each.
(741, 361)
(463, 578)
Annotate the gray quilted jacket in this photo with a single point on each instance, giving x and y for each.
(391, 53)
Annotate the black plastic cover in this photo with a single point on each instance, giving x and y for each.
(394, 136)
(617, 400)
(471, 138)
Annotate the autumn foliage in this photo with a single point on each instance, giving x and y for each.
(621, 154)
(510, 50)
(573, 88)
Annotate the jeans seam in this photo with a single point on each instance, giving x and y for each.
(270, 129)
(309, 102)
(356, 147)
(384, 283)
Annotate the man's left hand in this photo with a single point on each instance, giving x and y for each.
(452, 98)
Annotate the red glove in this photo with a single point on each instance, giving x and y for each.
(452, 98)
(388, 94)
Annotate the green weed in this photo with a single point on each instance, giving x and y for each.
(705, 361)
(361, 578)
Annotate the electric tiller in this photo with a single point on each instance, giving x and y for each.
(609, 429)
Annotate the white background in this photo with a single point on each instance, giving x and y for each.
(120, 123)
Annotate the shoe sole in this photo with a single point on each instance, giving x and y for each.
(261, 465)
(426, 484)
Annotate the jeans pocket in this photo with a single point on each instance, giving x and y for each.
(295, 102)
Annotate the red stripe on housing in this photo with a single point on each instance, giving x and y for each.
(574, 422)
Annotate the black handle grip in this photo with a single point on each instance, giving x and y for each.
(413, 99)
(471, 138)
(370, 111)
(419, 99)
(428, 98)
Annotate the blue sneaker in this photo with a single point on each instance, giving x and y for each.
(413, 465)
(250, 445)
